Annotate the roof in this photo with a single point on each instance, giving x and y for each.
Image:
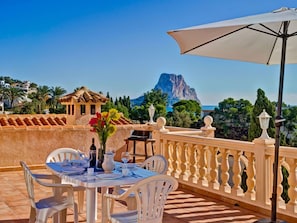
(84, 95)
(122, 121)
(32, 120)
(48, 120)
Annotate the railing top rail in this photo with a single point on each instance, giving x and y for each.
(208, 141)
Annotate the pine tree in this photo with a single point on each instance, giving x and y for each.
(261, 103)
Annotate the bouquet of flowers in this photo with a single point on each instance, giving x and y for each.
(103, 126)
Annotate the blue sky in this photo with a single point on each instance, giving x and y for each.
(122, 47)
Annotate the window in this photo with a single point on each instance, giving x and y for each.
(93, 109)
(82, 109)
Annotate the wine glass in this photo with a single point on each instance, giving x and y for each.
(84, 158)
(125, 156)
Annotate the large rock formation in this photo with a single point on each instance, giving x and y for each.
(176, 88)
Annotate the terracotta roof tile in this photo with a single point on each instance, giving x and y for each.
(36, 121)
(43, 121)
(11, 122)
(3, 122)
(60, 121)
(122, 121)
(28, 122)
(19, 122)
(50, 120)
(64, 120)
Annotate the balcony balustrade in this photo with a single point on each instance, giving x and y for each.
(221, 166)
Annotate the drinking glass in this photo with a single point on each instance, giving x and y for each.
(85, 158)
(125, 156)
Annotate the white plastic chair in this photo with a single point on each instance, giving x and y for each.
(156, 163)
(44, 208)
(150, 194)
(61, 154)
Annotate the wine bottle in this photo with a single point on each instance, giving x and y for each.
(93, 154)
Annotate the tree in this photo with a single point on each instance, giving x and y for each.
(179, 119)
(232, 118)
(107, 106)
(293, 140)
(121, 104)
(186, 113)
(139, 113)
(12, 94)
(289, 127)
(55, 95)
(192, 107)
(155, 97)
(261, 103)
(33, 85)
(40, 97)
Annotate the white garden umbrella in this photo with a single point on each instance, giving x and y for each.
(268, 38)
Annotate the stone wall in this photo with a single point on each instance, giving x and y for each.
(33, 144)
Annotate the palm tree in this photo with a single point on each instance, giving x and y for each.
(12, 93)
(40, 97)
(56, 93)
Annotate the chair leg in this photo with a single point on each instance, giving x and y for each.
(32, 218)
(63, 215)
(75, 213)
(145, 150)
(134, 150)
(81, 197)
(127, 145)
(153, 152)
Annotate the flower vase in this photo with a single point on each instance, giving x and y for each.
(108, 164)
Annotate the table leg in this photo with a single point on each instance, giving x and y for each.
(103, 205)
(91, 204)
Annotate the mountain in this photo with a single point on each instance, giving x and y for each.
(176, 88)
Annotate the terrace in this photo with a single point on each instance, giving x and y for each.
(203, 165)
(235, 175)
(182, 205)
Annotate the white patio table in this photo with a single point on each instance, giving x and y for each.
(92, 182)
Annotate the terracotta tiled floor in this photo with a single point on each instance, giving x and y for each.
(182, 206)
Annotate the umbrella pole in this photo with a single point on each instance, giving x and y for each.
(278, 124)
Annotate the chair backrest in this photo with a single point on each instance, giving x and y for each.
(29, 179)
(61, 154)
(156, 163)
(151, 195)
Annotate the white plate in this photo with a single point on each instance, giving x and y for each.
(129, 165)
(72, 170)
(109, 176)
(77, 162)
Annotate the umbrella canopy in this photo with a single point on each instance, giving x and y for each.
(256, 38)
(268, 38)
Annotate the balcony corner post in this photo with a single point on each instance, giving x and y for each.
(208, 130)
(263, 179)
